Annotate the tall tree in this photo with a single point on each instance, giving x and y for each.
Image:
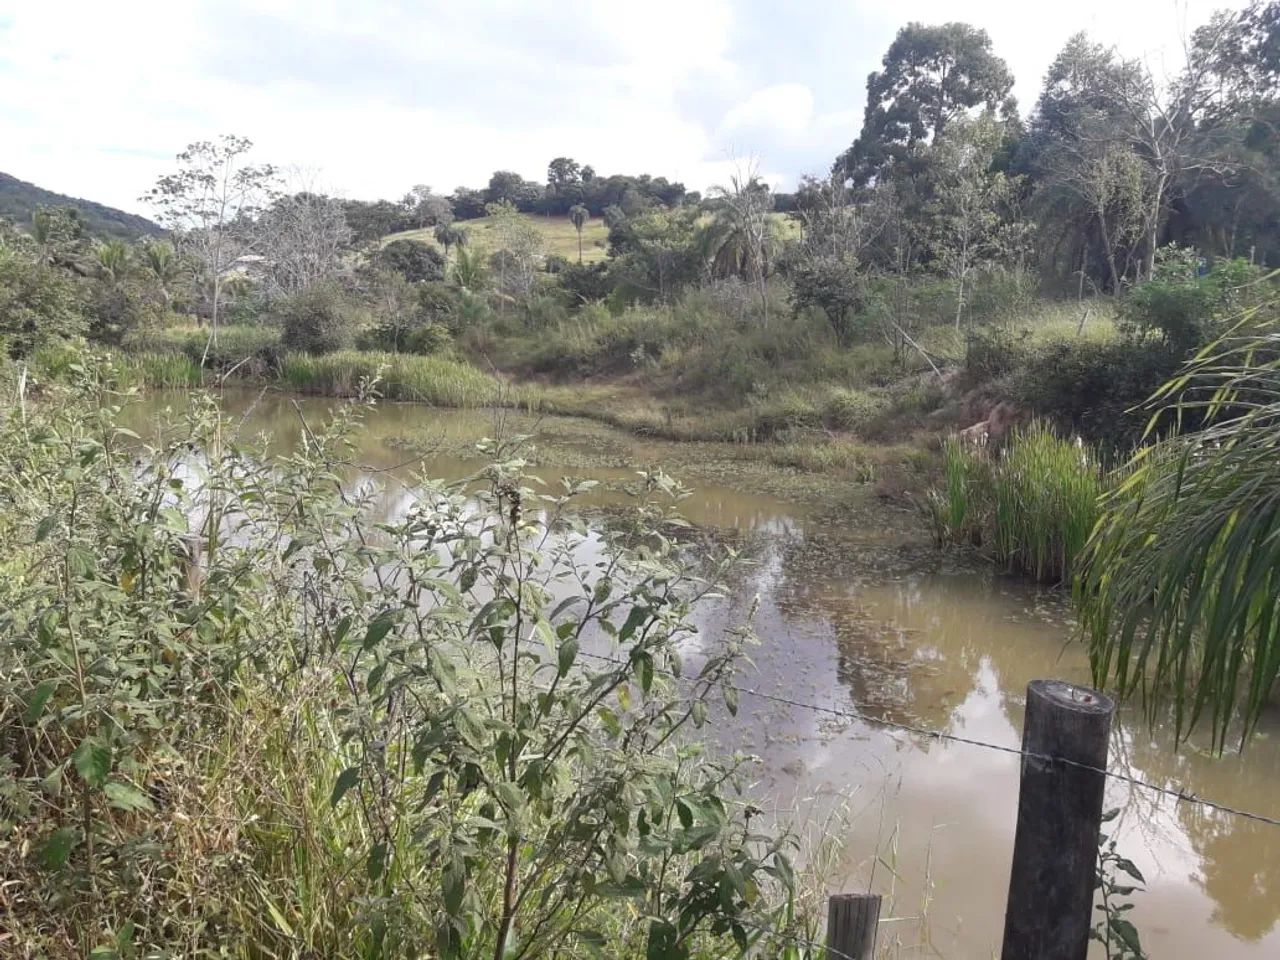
(211, 203)
(929, 76)
(304, 237)
(426, 207)
(970, 222)
(578, 216)
(742, 238)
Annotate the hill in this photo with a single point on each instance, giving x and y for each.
(558, 235)
(19, 200)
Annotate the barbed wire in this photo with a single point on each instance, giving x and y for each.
(1180, 794)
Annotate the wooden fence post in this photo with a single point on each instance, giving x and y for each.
(851, 926)
(1055, 848)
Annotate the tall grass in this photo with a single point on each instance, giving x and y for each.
(435, 380)
(1031, 505)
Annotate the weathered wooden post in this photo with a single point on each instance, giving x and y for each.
(1055, 848)
(851, 926)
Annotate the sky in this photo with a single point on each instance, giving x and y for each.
(369, 97)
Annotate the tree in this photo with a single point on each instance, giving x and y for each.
(317, 320)
(468, 204)
(38, 302)
(427, 208)
(162, 264)
(506, 186)
(449, 235)
(415, 261)
(1180, 592)
(830, 270)
(970, 198)
(656, 252)
(304, 237)
(741, 238)
(518, 250)
(370, 222)
(578, 215)
(60, 237)
(211, 203)
(930, 76)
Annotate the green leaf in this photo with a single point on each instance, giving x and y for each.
(347, 779)
(122, 796)
(39, 697)
(45, 527)
(55, 851)
(684, 813)
(547, 635)
(92, 761)
(604, 587)
(511, 795)
(566, 655)
(81, 562)
(1127, 933)
(1130, 868)
(379, 627)
(377, 861)
(637, 616)
(731, 700)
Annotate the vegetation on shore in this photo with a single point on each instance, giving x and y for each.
(246, 721)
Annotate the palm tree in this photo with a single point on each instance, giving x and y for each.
(114, 261)
(447, 235)
(579, 214)
(1180, 591)
(162, 262)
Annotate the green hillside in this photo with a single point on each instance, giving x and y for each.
(558, 234)
(19, 200)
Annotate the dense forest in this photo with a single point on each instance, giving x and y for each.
(239, 708)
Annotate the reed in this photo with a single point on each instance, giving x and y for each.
(1031, 505)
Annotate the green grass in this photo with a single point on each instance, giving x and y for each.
(558, 236)
(1032, 505)
(435, 380)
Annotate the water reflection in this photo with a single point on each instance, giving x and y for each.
(873, 622)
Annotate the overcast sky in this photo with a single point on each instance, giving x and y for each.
(372, 96)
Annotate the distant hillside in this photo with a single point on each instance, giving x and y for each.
(558, 235)
(19, 200)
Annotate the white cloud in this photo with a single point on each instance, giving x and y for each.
(785, 109)
(95, 99)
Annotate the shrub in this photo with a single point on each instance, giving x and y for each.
(1094, 388)
(320, 319)
(1182, 306)
(291, 740)
(852, 410)
(415, 261)
(38, 303)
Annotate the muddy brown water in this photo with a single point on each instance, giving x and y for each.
(865, 621)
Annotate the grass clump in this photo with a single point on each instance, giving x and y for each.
(1032, 505)
(439, 381)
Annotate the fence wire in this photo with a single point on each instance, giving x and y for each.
(1180, 794)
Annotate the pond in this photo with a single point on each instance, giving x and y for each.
(866, 629)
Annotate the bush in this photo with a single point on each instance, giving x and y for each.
(38, 304)
(853, 410)
(291, 741)
(417, 262)
(1093, 388)
(320, 319)
(1183, 307)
